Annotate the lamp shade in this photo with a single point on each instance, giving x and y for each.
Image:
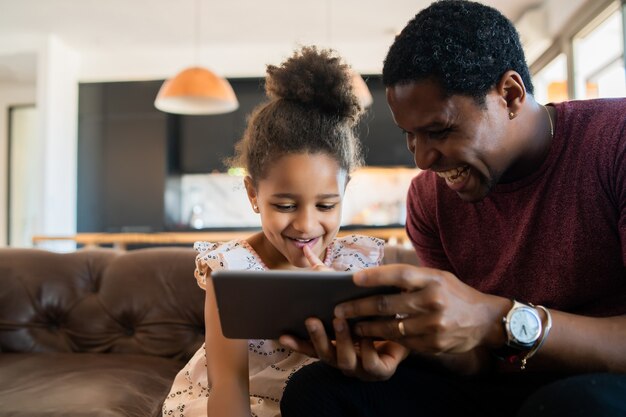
(361, 91)
(196, 91)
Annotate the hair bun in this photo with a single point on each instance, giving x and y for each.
(316, 79)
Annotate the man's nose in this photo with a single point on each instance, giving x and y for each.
(424, 153)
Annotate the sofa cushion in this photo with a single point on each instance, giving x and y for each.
(85, 384)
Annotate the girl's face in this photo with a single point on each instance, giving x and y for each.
(299, 201)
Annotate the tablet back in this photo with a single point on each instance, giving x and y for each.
(267, 304)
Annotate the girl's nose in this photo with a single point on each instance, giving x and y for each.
(304, 221)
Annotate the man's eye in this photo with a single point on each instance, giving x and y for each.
(439, 134)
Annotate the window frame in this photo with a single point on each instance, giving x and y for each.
(587, 19)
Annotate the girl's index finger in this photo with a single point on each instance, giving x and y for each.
(312, 257)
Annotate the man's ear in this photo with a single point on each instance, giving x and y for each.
(513, 92)
(251, 191)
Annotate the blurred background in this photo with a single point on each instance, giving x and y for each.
(84, 150)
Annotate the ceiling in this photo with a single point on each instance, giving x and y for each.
(149, 38)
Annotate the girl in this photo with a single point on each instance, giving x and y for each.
(298, 151)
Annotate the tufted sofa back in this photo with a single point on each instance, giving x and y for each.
(144, 301)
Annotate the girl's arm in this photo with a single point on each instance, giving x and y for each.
(227, 366)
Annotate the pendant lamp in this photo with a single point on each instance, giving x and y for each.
(196, 90)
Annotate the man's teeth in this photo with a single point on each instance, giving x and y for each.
(303, 240)
(454, 175)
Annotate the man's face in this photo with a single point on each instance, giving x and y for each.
(464, 143)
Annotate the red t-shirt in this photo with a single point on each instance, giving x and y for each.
(556, 237)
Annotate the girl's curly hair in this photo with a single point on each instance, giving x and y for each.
(311, 109)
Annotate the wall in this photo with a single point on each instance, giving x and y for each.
(57, 103)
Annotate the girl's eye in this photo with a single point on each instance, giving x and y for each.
(326, 207)
(285, 207)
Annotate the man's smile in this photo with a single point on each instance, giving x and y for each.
(455, 175)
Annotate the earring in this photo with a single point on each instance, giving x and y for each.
(511, 115)
(255, 208)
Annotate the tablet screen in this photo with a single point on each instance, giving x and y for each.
(267, 304)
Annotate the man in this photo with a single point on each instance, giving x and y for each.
(519, 219)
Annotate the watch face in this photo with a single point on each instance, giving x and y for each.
(525, 326)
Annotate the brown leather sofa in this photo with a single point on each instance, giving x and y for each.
(99, 332)
(95, 332)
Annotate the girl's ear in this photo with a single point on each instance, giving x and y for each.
(251, 191)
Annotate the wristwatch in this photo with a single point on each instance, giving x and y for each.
(522, 325)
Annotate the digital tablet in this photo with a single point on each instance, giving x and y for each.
(267, 304)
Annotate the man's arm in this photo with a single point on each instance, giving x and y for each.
(445, 315)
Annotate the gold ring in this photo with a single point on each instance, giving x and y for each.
(401, 328)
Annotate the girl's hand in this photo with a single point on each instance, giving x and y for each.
(314, 260)
(365, 359)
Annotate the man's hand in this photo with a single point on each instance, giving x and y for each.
(438, 313)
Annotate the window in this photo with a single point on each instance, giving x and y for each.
(551, 82)
(587, 59)
(599, 57)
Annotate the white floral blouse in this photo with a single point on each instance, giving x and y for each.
(270, 364)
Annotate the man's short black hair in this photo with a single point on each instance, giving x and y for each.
(464, 46)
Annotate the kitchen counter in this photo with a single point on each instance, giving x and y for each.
(123, 240)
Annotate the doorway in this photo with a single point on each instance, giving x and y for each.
(24, 197)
